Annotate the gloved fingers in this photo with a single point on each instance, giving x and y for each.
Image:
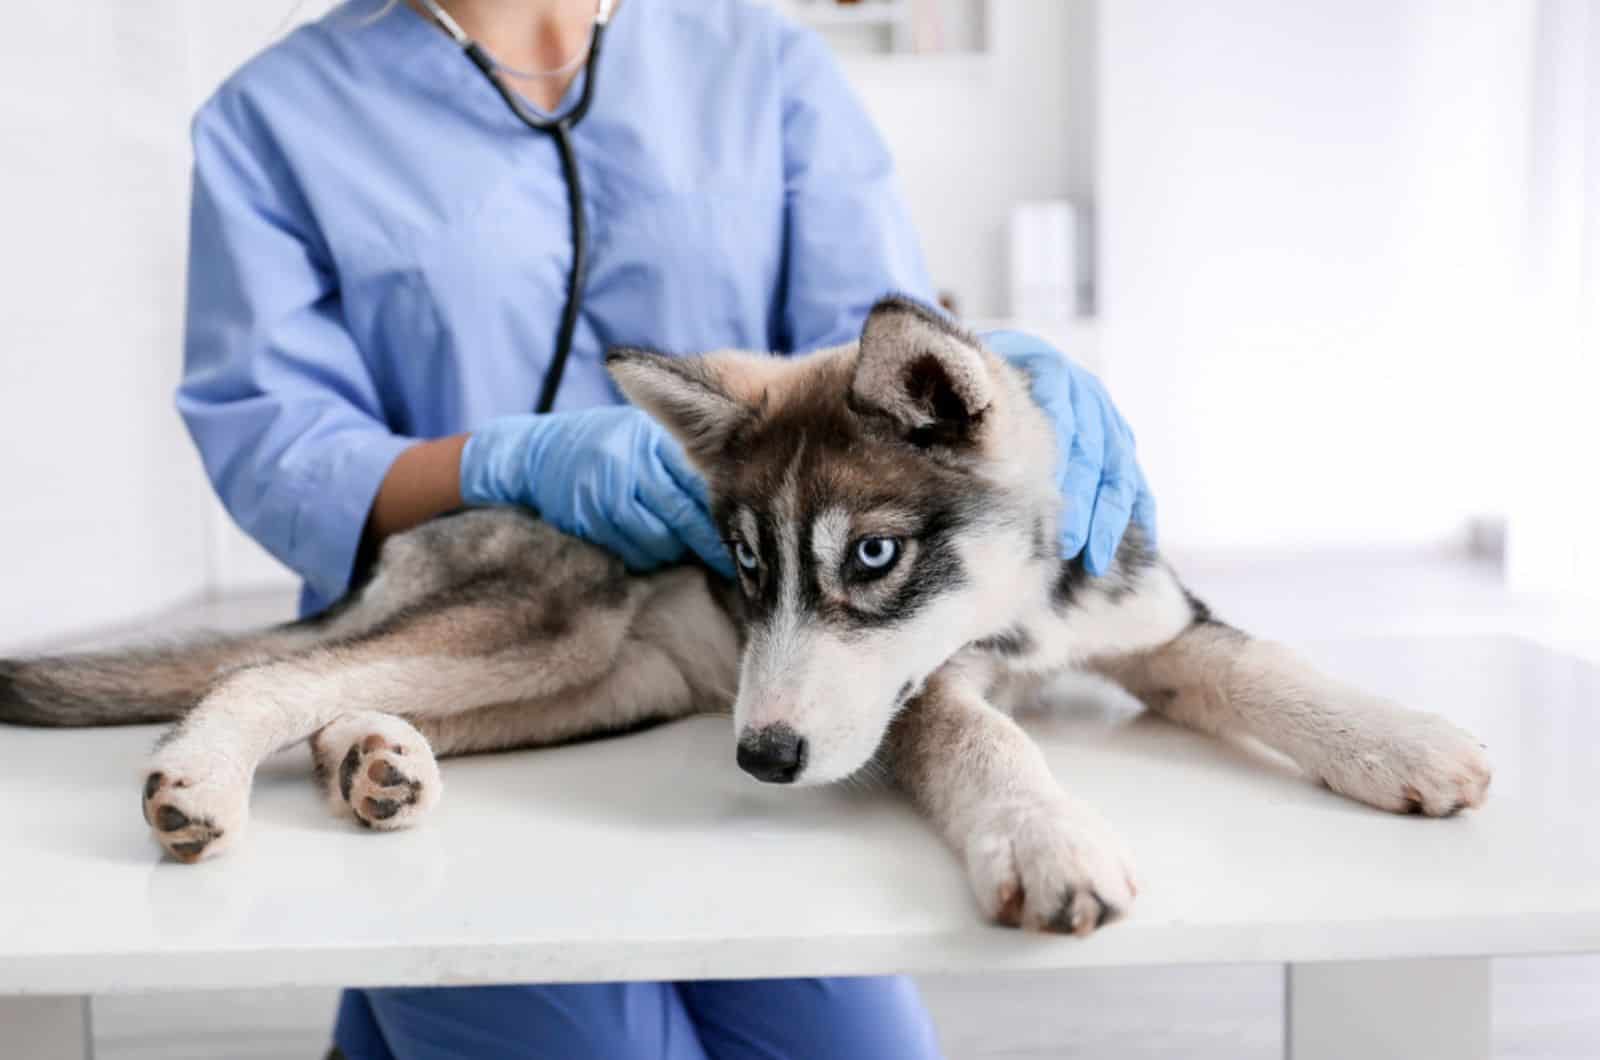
(681, 498)
(1119, 486)
(1077, 503)
(1080, 481)
(685, 474)
(1144, 511)
(692, 525)
(706, 543)
(1102, 489)
(642, 540)
(1113, 507)
(1077, 463)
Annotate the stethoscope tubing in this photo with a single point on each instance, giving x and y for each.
(559, 128)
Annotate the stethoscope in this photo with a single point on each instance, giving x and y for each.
(559, 127)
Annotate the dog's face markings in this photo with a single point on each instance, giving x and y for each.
(851, 489)
(848, 603)
(1011, 643)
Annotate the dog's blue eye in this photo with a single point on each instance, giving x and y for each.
(877, 553)
(745, 555)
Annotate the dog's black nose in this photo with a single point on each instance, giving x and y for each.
(775, 754)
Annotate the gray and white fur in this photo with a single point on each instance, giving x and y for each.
(892, 508)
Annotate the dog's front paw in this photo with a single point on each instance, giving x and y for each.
(195, 805)
(1049, 864)
(1407, 761)
(378, 768)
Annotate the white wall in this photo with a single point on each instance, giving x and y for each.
(973, 134)
(1555, 507)
(1312, 218)
(103, 505)
(107, 512)
(1307, 213)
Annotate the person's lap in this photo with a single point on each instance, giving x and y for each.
(757, 1019)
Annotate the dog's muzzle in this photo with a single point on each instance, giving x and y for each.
(773, 755)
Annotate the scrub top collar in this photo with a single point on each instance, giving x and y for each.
(415, 47)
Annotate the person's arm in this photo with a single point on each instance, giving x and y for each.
(847, 233)
(278, 399)
(290, 425)
(610, 475)
(424, 481)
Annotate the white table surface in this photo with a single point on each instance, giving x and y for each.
(651, 856)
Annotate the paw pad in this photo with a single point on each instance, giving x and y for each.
(1081, 912)
(377, 788)
(186, 835)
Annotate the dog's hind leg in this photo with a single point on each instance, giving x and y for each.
(477, 674)
(679, 657)
(164, 681)
(646, 687)
(1219, 680)
(426, 663)
(375, 768)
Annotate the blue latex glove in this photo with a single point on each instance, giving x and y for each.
(610, 475)
(1102, 487)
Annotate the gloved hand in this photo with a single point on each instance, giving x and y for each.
(610, 475)
(1101, 484)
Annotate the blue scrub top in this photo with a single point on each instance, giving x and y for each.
(379, 249)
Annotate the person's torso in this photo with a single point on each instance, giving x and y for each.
(445, 220)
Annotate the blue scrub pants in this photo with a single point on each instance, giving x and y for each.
(755, 1019)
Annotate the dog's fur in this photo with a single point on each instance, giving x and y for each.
(490, 630)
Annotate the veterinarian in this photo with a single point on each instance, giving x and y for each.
(379, 264)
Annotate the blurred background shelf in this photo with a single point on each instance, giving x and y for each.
(826, 13)
(895, 27)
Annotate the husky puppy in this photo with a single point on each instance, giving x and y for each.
(891, 506)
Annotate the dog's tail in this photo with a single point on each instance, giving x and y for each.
(159, 683)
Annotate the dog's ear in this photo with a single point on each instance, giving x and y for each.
(921, 371)
(689, 396)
